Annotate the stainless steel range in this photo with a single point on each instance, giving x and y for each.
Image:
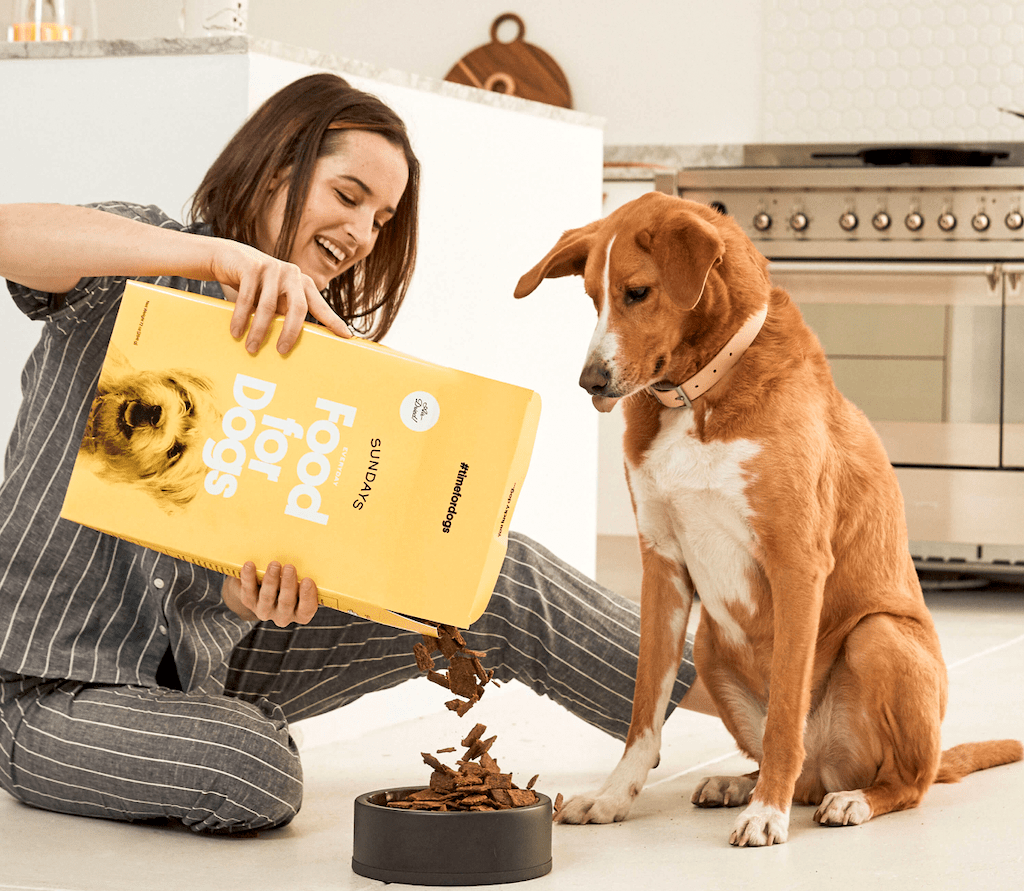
(908, 261)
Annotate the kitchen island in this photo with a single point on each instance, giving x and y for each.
(502, 178)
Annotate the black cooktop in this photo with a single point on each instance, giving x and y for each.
(998, 154)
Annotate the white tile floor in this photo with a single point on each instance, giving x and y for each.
(967, 836)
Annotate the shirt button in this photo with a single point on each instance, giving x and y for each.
(162, 629)
(158, 583)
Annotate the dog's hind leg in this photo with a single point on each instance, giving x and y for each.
(889, 694)
(665, 601)
(724, 791)
(741, 712)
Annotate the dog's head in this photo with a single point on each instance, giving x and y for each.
(147, 428)
(671, 280)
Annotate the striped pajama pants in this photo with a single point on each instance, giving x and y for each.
(228, 763)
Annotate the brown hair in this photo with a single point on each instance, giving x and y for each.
(293, 129)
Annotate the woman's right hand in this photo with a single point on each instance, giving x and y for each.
(263, 287)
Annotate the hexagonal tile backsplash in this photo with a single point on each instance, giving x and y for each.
(892, 70)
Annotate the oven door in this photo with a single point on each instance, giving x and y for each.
(920, 348)
(917, 347)
(1013, 366)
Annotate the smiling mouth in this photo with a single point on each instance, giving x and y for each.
(330, 250)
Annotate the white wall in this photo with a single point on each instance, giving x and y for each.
(690, 71)
(152, 137)
(658, 72)
(684, 71)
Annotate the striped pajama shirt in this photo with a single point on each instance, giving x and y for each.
(129, 691)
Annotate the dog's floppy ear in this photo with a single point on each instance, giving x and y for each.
(685, 248)
(567, 257)
(115, 367)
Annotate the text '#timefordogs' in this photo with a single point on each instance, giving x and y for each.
(460, 478)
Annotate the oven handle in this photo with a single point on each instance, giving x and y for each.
(854, 267)
(1014, 275)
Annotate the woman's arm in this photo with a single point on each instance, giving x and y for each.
(50, 247)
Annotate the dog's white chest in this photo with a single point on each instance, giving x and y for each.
(692, 507)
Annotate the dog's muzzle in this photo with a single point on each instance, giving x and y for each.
(596, 379)
(138, 414)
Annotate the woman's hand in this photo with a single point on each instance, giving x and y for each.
(263, 287)
(279, 598)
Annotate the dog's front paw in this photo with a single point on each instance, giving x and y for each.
(611, 803)
(598, 807)
(723, 791)
(843, 809)
(760, 825)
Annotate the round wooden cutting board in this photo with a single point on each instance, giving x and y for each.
(516, 68)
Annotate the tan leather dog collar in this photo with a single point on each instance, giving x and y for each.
(683, 395)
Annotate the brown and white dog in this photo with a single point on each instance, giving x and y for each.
(758, 485)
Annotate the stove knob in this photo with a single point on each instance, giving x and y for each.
(914, 221)
(798, 221)
(947, 222)
(1014, 220)
(848, 221)
(762, 221)
(881, 221)
(979, 222)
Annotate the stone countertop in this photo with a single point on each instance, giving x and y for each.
(241, 44)
(641, 162)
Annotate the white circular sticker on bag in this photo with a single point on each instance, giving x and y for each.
(420, 411)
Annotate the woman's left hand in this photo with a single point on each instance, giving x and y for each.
(279, 598)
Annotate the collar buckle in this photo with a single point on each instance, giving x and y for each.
(714, 371)
(677, 399)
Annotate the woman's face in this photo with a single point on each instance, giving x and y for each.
(353, 193)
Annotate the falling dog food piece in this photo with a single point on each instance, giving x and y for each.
(478, 784)
(466, 675)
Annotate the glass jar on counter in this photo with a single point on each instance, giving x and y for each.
(34, 20)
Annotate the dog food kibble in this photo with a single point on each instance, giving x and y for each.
(466, 675)
(478, 784)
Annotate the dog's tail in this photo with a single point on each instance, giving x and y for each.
(961, 760)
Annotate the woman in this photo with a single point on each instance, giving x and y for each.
(135, 686)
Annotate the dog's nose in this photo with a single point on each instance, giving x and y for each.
(595, 378)
(139, 414)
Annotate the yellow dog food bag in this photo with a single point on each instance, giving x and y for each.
(388, 480)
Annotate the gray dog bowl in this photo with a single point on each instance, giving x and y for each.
(450, 847)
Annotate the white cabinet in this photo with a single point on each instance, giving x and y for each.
(502, 179)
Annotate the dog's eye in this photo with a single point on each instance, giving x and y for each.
(185, 397)
(175, 452)
(635, 295)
